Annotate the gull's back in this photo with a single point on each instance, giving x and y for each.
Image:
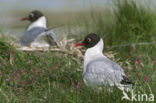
(31, 35)
(103, 71)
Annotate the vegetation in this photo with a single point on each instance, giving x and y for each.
(129, 21)
(50, 77)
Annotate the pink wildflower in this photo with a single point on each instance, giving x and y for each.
(78, 85)
(22, 71)
(132, 48)
(15, 75)
(35, 68)
(12, 53)
(23, 100)
(137, 62)
(32, 70)
(31, 62)
(20, 90)
(145, 79)
(22, 82)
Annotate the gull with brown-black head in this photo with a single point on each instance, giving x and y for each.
(98, 69)
(37, 33)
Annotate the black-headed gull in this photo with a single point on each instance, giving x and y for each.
(37, 33)
(98, 69)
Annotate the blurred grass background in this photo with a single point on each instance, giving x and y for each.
(49, 77)
(128, 21)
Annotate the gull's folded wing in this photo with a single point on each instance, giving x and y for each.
(103, 71)
(31, 35)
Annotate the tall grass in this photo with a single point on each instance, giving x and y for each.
(127, 22)
(5, 47)
(134, 23)
(36, 77)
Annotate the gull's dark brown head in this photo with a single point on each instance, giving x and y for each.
(33, 16)
(90, 41)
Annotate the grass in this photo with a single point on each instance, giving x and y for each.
(57, 78)
(50, 77)
(127, 21)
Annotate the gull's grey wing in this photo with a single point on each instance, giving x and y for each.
(52, 36)
(31, 35)
(103, 71)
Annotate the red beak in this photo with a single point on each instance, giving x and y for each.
(79, 44)
(23, 19)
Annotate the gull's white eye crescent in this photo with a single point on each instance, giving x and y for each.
(31, 14)
(88, 39)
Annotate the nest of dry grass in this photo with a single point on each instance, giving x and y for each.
(64, 46)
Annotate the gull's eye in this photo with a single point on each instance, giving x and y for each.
(89, 39)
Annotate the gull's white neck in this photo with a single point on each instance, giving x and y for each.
(41, 22)
(94, 53)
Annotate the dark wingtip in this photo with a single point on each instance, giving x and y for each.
(126, 80)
